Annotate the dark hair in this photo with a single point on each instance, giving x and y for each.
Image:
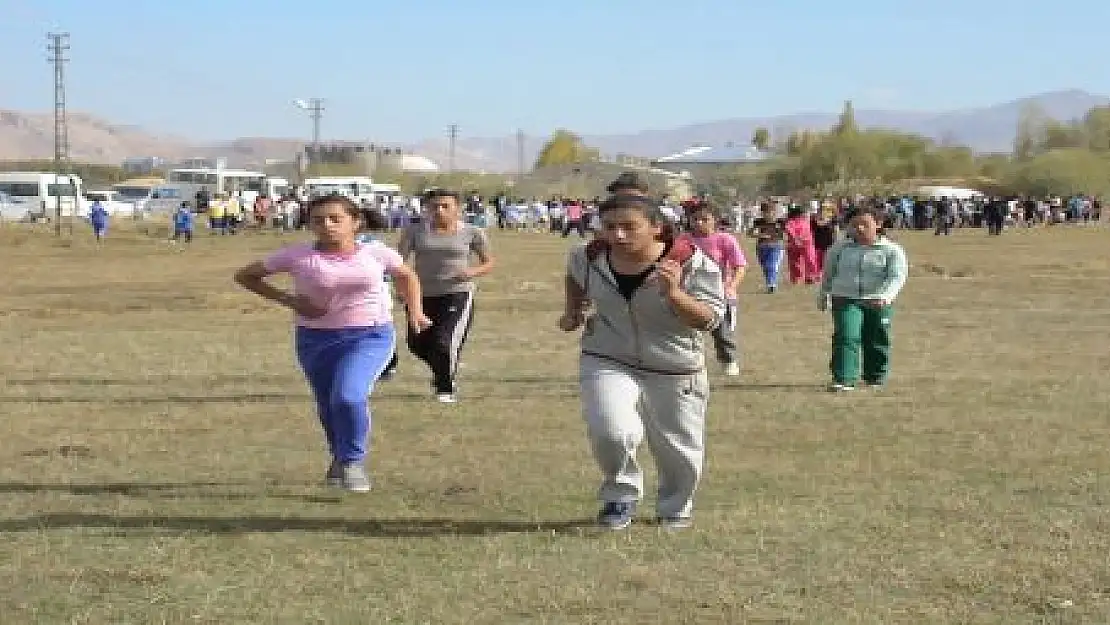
(643, 205)
(347, 203)
(375, 220)
(628, 181)
(701, 208)
(795, 211)
(877, 213)
(437, 193)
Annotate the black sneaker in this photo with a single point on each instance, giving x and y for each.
(616, 515)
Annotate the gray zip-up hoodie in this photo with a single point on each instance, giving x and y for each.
(645, 332)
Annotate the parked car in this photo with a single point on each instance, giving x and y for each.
(14, 209)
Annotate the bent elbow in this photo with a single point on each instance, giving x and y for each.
(246, 278)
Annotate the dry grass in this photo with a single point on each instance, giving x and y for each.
(160, 458)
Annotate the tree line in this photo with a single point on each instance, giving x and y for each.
(1049, 157)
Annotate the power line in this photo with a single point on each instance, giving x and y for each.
(59, 44)
(453, 134)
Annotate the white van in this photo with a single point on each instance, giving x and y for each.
(44, 191)
(149, 199)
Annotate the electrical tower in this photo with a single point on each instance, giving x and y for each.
(453, 135)
(59, 44)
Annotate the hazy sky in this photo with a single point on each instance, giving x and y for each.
(403, 70)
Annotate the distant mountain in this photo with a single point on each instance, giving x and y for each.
(986, 129)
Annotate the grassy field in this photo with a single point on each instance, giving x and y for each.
(160, 461)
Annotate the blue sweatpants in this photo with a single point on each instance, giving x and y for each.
(342, 366)
(770, 259)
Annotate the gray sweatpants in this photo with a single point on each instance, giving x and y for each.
(622, 405)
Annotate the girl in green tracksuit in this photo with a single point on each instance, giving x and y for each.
(864, 273)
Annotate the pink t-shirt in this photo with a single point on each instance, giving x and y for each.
(725, 251)
(351, 287)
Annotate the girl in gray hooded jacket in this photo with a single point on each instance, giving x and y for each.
(645, 300)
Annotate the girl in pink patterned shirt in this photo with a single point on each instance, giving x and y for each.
(344, 325)
(725, 251)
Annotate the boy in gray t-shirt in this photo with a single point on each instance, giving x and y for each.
(442, 246)
(442, 259)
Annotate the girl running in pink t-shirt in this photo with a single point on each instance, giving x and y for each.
(344, 325)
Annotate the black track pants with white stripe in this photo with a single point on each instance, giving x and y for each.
(439, 346)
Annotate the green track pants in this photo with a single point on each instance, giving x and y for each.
(859, 329)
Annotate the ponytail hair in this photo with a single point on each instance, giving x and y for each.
(374, 220)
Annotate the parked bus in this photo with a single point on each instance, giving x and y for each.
(246, 184)
(42, 191)
(190, 181)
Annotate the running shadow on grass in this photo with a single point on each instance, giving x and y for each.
(147, 381)
(219, 491)
(372, 528)
(788, 386)
(130, 489)
(147, 400)
(186, 400)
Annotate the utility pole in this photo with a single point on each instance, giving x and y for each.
(316, 112)
(59, 43)
(315, 109)
(453, 134)
(520, 154)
